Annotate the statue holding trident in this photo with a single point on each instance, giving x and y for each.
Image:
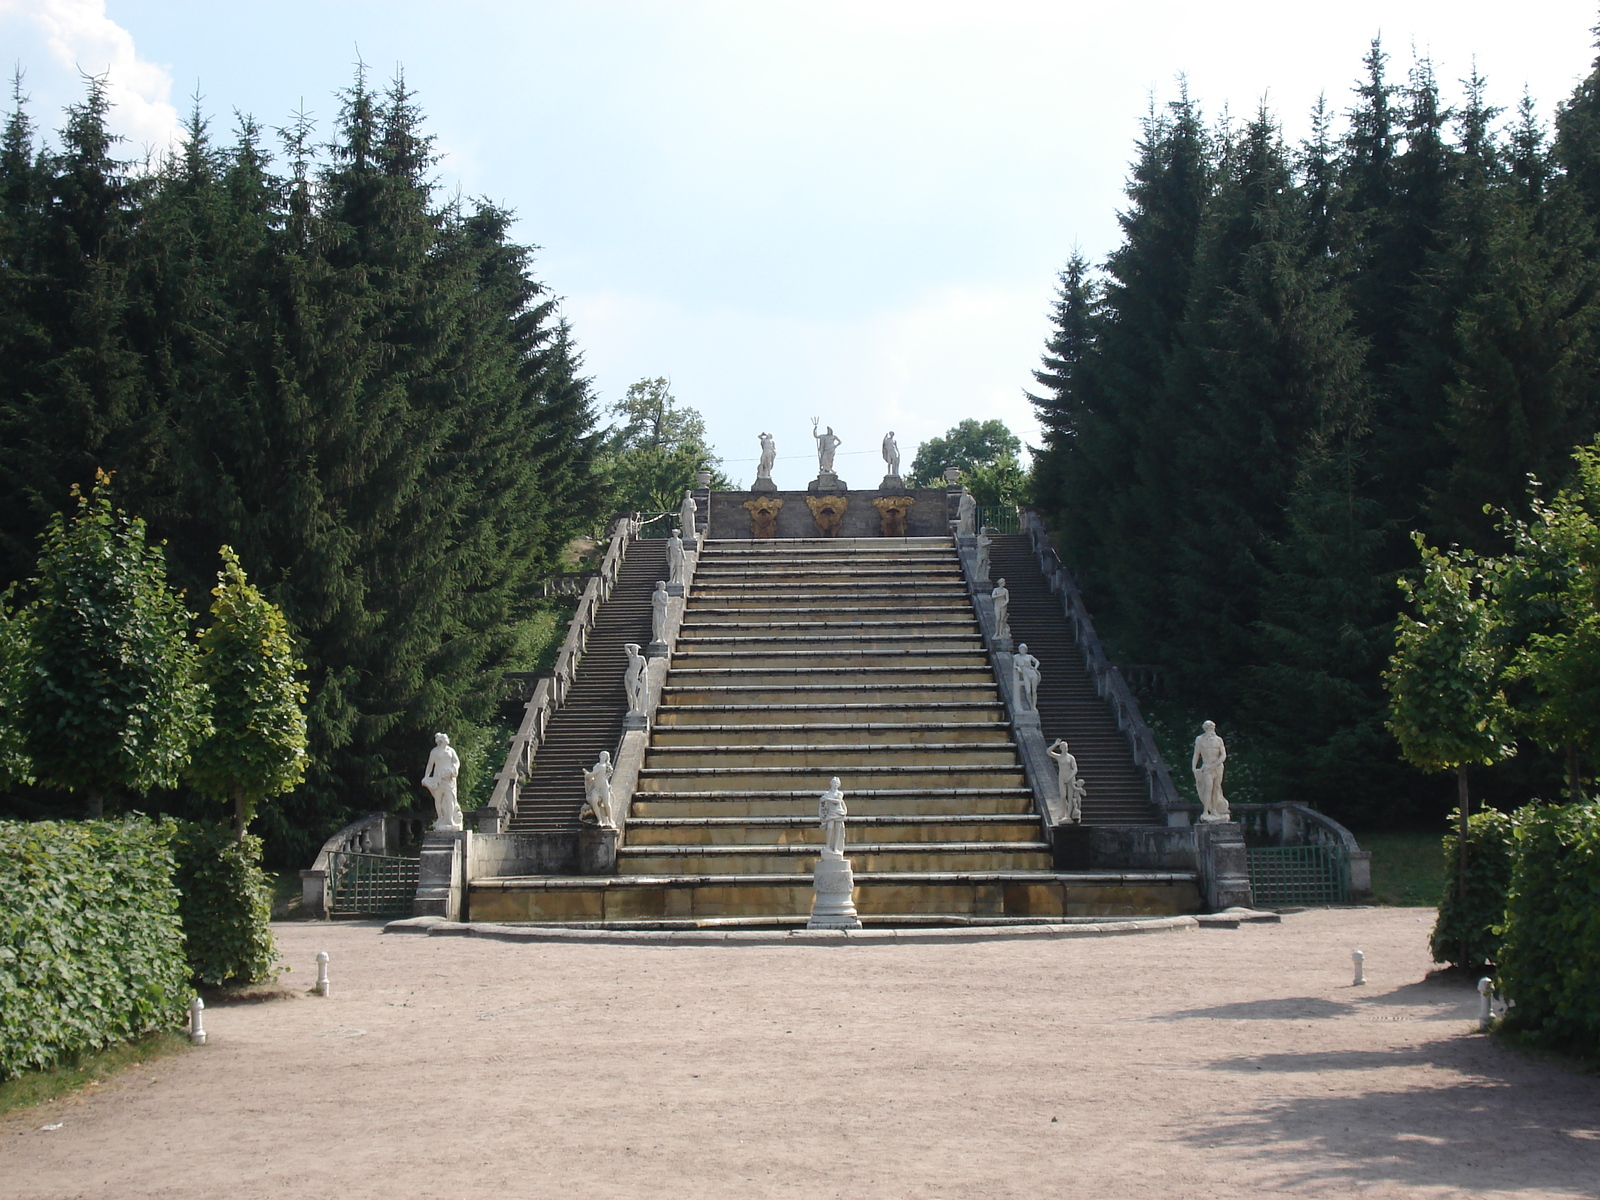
(831, 811)
(827, 443)
(1210, 758)
(444, 768)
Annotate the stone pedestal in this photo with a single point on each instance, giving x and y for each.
(441, 875)
(763, 486)
(657, 650)
(833, 887)
(674, 589)
(827, 484)
(892, 483)
(636, 720)
(1224, 865)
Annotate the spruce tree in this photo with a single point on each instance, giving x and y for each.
(1058, 406)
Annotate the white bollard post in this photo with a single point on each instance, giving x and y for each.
(1485, 1003)
(197, 1024)
(1360, 961)
(322, 973)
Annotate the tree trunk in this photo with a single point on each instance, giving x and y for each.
(238, 815)
(96, 806)
(1461, 855)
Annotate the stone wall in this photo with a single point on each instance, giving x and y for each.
(930, 515)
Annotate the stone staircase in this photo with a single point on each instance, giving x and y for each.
(799, 659)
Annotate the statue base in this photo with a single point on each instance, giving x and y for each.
(833, 889)
(657, 650)
(827, 484)
(1214, 818)
(635, 720)
(763, 485)
(674, 589)
(892, 483)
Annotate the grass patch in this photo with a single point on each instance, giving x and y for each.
(38, 1087)
(1407, 868)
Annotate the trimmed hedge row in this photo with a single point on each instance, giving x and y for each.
(1533, 910)
(91, 944)
(1469, 933)
(226, 905)
(1550, 963)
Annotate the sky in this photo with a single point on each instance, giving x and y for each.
(853, 210)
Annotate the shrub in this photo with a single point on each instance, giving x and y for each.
(91, 947)
(1468, 933)
(1550, 963)
(226, 904)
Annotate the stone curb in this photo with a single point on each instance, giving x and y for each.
(439, 927)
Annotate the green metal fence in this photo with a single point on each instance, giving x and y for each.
(1300, 874)
(1002, 518)
(376, 885)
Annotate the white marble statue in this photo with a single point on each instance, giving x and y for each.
(675, 558)
(659, 600)
(966, 515)
(686, 512)
(1002, 609)
(983, 544)
(597, 793)
(1025, 677)
(891, 453)
(769, 455)
(827, 443)
(635, 680)
(832, 812)
(1210, 757)
(443, 771)
(1069, 788)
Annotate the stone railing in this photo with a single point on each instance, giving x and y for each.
(1108, 680)
(375, 833)
(550, 692)
(1289, 823)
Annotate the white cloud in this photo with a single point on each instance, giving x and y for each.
(83, 39)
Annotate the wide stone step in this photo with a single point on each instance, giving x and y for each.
(864, 856)
(702, 610)
(798, 830)
(864, 802)
(928, 893)
(832, 756)
(860, 642)
(861, 657)
(954, 713)
(855, 777)
(935, 677)
(827, 622)
(791, 690)
(832, 733)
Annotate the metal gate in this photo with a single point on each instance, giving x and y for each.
(1300, 874)
(377, 885)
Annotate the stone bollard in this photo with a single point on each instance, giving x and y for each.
(1485, 1003)
(197, 1024)
(1360, 962)
(321, 987)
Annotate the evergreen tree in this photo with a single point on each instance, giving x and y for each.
(1071, 342)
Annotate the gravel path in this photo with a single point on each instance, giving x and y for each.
(1211, 1063)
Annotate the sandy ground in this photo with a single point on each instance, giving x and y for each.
(1212, 1063)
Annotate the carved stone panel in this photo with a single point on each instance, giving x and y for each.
(764, 516)
(892, 514)
(827, 512)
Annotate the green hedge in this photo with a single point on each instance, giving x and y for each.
(91, 945)
(1469, 934)
(1550, 963)
(226, 905)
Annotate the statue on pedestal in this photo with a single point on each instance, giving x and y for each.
(831, 811)
(635, 681)
(981, 570)
(891, 454)
(1210, 758)
(659, 600)
(827, 443)
(443, 770)
(1025, 679)
(686, 512)
(1069, 788)
(675, 563)
(1002, 610)
(597, 794)
(769, 455)
(966, 515)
